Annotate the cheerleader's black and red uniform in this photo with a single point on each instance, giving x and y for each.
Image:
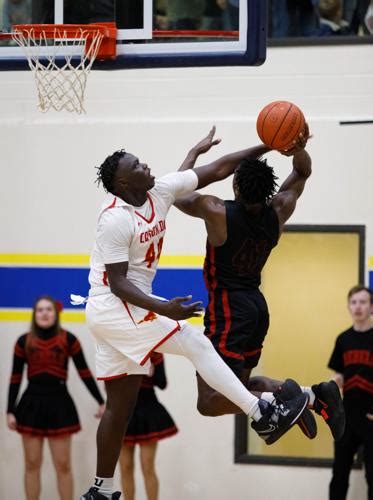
(150, 421)
(46, 408)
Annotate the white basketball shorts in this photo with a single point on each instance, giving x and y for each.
(125, 336)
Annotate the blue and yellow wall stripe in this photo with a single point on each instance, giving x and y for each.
(24, 277)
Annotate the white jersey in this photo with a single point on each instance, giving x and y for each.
(135, 234)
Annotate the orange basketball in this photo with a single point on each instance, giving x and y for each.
(279, 124)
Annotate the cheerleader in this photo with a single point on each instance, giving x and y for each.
(149, 423)
(46, 409)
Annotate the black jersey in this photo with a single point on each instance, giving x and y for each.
(353, 358)
(250, 239)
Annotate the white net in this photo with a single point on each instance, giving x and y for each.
(60, 64)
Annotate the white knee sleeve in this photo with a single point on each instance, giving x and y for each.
(194, 345)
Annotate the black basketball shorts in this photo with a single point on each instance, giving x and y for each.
(237, 322)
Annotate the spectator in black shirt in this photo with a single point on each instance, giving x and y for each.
(352, 360)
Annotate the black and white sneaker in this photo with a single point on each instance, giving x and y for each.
(93, 494)
(328, 403)
(278, 417)
(307, 421)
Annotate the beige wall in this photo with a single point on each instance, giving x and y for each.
(49, 205)
(305, 283)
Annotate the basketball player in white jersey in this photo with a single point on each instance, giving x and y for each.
(129, 324)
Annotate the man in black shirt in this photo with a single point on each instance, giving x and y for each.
(352, 360)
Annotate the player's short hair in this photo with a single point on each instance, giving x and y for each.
(255, 180)
(360, 288)
(106, 171)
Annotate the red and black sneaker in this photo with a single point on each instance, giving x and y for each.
(328, 403)
(278, 417)
(307, 421)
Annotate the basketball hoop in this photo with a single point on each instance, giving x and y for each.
(61, 57)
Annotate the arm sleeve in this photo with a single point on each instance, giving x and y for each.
(177, 184)
(76, 352)
(159, 375)
(114, 235)
(19, 359)
(336, 359)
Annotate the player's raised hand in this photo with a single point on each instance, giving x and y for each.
(300, 143)
(202, 147)
(207, 142)
(175, 309)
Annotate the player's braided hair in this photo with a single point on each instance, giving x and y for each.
(106, 171)
(255, 180)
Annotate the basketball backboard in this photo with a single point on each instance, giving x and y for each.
(153, 33)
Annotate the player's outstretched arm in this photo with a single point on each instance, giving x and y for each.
(198, 205)
(128, 292)
(285, 201)
(223, 167)
(202, 147)
(211, 209)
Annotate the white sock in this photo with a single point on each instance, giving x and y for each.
(104, 485)
(255, 413)
(192, 344)
(309, 391)
(268, 396)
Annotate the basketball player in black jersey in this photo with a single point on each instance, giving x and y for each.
(240, 237)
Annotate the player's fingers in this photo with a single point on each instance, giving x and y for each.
(196, 305)
(211, 134)
(289, 151)
(302, 141)
(306, 133)
(216, 141)
(212, 131)
(284, 152)
(182, 299)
